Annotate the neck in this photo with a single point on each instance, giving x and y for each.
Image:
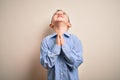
(60, 27)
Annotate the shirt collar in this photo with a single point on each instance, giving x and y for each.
(67, 34)
(54, 34)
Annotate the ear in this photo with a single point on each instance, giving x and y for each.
(51, 25)
(69, 25)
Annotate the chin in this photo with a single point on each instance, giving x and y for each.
(59, 20)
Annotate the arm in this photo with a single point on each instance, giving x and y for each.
(48, 57)
(73, 56)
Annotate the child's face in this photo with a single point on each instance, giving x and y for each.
(60, 16)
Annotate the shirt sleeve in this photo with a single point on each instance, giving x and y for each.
(73, 55)
(48, 57)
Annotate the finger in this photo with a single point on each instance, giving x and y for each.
(61, 36)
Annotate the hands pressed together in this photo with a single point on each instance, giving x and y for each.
(59, 39)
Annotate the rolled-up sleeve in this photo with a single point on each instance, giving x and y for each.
(48, 57)
(73, 55)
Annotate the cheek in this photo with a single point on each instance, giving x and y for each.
(54, 18)
(66, 18)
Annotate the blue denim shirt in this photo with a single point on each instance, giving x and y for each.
(62, 62)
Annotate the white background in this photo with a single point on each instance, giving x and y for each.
(24, 23)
